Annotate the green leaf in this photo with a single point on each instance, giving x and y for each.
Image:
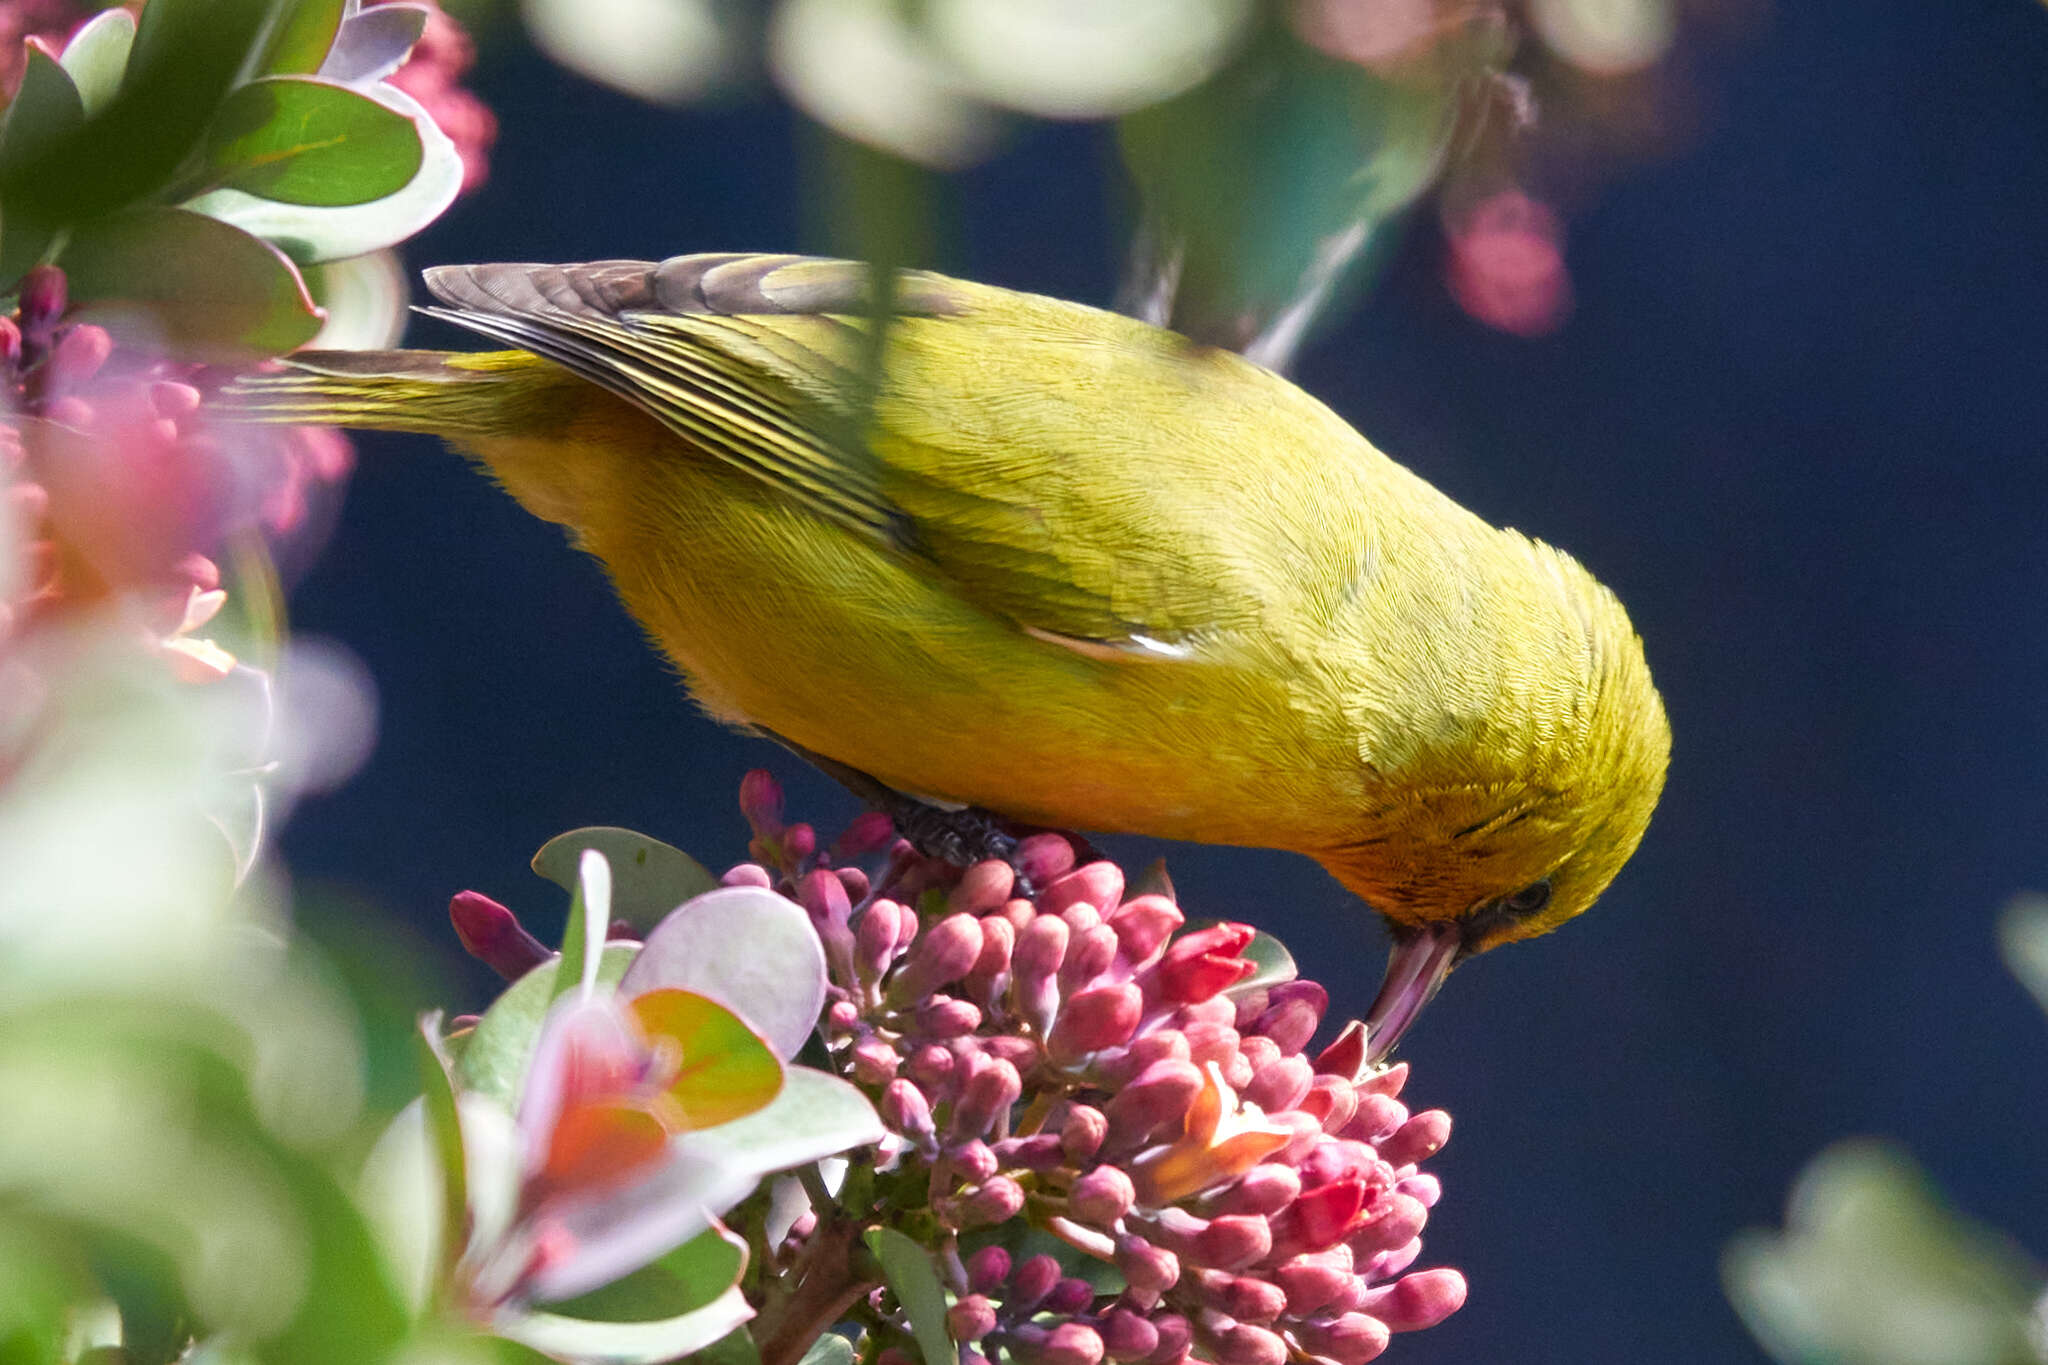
(814, 1116)
(590, 914)
(444, 1127)
(309, 233)
(172, 278)
(688, 1278)
(304, 141)
(628, 1343)
(908, 1269)
(97, 57)
(185, 56)
(299, 37)
(2023, 939)
(46, 109)
(1275, 964)
(649, 878)
(734, 1348)
(749, 948)
(494, 1063)
(724, 1071)
(830, 1349)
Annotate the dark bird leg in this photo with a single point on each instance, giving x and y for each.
(961, 836)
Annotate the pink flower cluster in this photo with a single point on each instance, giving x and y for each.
(1073, 1059)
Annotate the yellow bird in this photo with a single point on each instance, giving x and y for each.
(1008, 552)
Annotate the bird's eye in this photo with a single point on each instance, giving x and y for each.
(1530, 900)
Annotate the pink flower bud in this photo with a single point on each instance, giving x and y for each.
(1280, 1085)
(932, 1067)
(1030, 1283)
(874, 938)
(1422, 1299)
(1209, 1042)
(1148, 1270)
(1231, 1242)
(1068, 1297)
(747, 874)
(1093, 1019)
(873, 1061)
(1082, 1132)
(991, 971)
(1090, 952)
(985, 1099)
(1294, 1010)
(841, 1016)
(855, 881)
(1240, 1343)
(1157, 1046)
(1126, 1336)
(44, 296)
(173, 400)
(1143, 924)
(1160, 1095)
(1042, 857)
(1314, 1281)
(942, 1016)
(1244, 1297)
(904, 1110)
(1101, 1196)
(1387, 1082)
(1396, 1222)
(1419, 1138)
(1424, 1188)
(1021, 1053)
(982, 888)
(1377, 1118)
(1332, 1101)
(1259, 1050)
(493, 936)
(1037, 1152)
(869, 833)
(1034, 963)
(974, 1161)
(823, 897)
(971, 1319)
(997, 1201)
(1351, 1339)
(761, 803)
(987, 1268)
(1200, 965)
(1176, 1334)
(1070, 1343)
(799, 842)
(1345, 1057)
(10, 343)
(79, 354)
(1336, 1159)
(1388, 1264)
(1264, 1189)
(1099, 885)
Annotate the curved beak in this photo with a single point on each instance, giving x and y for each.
(1416, 967)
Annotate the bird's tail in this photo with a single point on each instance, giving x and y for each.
(439, 393)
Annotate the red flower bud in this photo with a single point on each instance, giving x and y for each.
(1081, 1133)
(1037, 1152)
(1231, 1242)
(1148, 1270)
(1042, 857)
(1264, 1189)
(905, 1111)
(1280, 1085)
(1090, 952)
(493, 936)
(1068, 1297)
(1198, 966)
(942, 1016)
(1320, 1218)
(997, 1201)
(1243, 1297)
(1294, 1010)
(1176, 1334)
(1377, 1118)
(1070, 1343)
(1345, 1057)
(874, 938)
(44, 295)
(761, 803)
(1126, 1336)
(1031, 1282)
(1396, 1222)
(990, 1090)
(1240, 1343)
(1314, 1281)
(872, 1061)
(991, 970)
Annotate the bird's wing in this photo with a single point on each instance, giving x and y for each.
(1033, 452)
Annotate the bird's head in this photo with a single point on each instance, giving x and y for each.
(1524, 813)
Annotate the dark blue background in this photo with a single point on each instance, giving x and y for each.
(1796, 422)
